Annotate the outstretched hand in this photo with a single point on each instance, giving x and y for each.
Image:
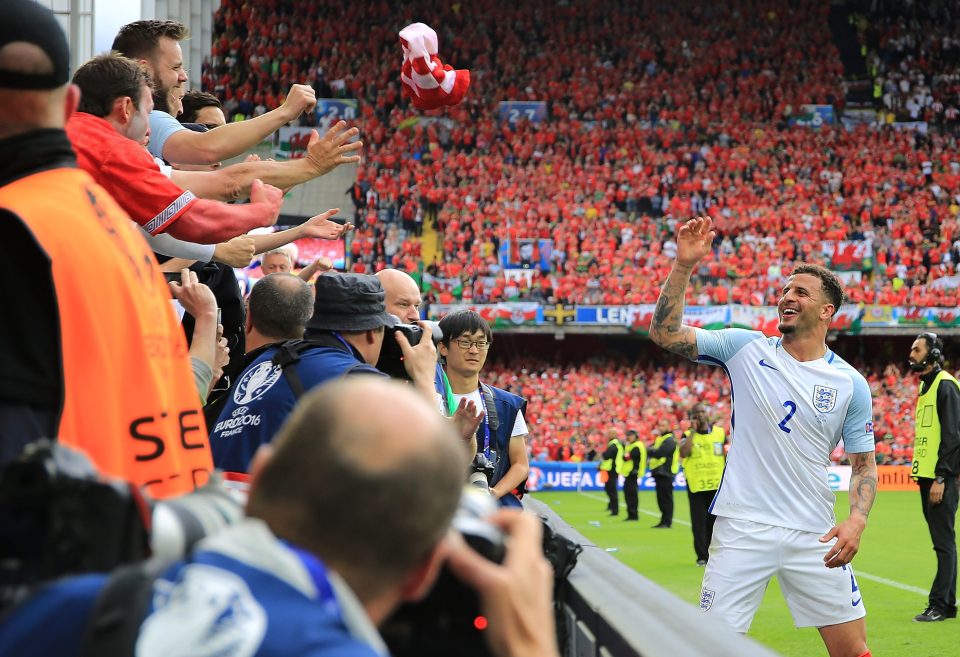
(321, 227)
(334, 148)
(694, 240)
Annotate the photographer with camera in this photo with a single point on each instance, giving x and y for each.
(306, 573)
(343, 338)
(501, 450)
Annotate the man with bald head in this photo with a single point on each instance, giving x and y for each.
(330, 548)
(99, 361)
(403, 297)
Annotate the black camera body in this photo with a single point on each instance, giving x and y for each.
(482, 470)
(449, 620)
(391, 358)
(58, 518)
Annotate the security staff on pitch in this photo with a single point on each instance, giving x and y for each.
(936, 463)
(664, 465)
(703, 459)
(611, 463)
(634, 466)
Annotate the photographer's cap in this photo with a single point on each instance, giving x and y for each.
(28, 22)
(349, 302)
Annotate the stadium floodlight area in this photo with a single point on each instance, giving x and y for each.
(613, 611)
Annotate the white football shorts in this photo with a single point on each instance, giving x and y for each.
(744, 556)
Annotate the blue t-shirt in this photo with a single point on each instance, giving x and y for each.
(162, 125)
(262, 399)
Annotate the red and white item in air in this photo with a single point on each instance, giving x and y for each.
(427, 81)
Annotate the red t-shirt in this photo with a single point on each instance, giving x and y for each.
(128, 172)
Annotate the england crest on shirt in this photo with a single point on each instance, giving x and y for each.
(706, 599)
(824, 398)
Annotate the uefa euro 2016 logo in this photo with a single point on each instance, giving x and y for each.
(255, 383)
(824, 398)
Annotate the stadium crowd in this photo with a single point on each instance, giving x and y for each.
(714, 111)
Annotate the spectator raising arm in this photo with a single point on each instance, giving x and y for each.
(209, 222)
(233, 182)
(232, 139)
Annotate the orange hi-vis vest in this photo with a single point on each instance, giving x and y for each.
(129, 398)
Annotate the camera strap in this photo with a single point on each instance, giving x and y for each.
(290, 352)
(318, 573)
(490, 418)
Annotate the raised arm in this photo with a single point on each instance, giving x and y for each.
(319, 227)
(694, 240)
(232, 139)
(210, 222)
(233, 182)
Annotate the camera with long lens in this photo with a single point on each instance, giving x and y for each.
(449, 620)
(391, 358)
(59, 516)
(482, 469)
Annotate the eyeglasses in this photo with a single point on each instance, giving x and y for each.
(465, 344)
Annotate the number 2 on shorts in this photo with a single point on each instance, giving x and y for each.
(792, 408)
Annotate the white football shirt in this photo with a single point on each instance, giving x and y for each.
(787, 417)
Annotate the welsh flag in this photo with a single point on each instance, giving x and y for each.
(755, 318)
(642, 318)
(847, 318)
(706, 317)
(945, 317)
(913, 316)
(437, 285)
(848, 255)
(515, 314)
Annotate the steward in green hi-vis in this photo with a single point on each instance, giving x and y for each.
(611, 464)
(703, 461)
(936, 463)
(664, 464)
(633, 466)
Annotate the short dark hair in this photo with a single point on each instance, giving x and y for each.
(280, 305)
(139, 40)
(463, 321)
(832, 287)
(104, 79)
(194, 101)
(371, 519)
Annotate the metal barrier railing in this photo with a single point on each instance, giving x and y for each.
(613, 611)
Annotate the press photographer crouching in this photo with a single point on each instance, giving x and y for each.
(348, 517)
(343, 338)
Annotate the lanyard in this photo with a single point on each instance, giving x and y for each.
(448, 393)
(318, 573)
(486, 424)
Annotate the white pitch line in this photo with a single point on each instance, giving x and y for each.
(859, 573)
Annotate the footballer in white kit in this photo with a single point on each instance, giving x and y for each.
(793, 400)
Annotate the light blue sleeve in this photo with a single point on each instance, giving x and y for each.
(162, 125)
(858, 425)
(722, 345)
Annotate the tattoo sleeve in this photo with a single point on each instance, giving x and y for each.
(666, 328)
(863, 483)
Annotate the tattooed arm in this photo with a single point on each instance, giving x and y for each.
(694, 240)
(863, 491)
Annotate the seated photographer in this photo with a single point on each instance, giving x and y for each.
(343, 337)
(500, 447)
(310, 573)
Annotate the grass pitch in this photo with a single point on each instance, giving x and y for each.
(894, 568)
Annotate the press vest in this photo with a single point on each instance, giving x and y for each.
(129, 398)
(926, 442)
(617, 461)
(704, 467)
(657, 462)
(629, 467)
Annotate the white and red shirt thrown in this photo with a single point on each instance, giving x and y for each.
(427, 81)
